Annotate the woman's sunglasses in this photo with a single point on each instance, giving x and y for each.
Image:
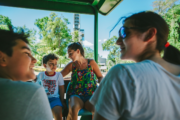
(123, 31)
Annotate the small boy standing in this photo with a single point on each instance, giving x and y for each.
(53, 84)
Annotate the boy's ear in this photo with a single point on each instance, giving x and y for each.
(44, 65)
(3, 59)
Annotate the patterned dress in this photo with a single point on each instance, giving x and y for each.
(82, 81)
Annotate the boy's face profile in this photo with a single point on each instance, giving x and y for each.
(20, 65)
(51, 65)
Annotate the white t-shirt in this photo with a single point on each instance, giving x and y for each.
(139, 91)
(23, 101)
(50, 83)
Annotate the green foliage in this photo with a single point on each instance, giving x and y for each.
(89, 53)
(171, 13)
(114, 52)
(173, 20)
(4, 22)
(55, 36)
(64, 59)
(110, 45)
(4, 27)
(30, 32)
(40, 69)
(75, 36)
(55, 33)
(162, 6)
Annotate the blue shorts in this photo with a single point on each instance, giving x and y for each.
(55, 102)
(83, 98)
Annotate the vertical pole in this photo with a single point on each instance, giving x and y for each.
(96, 36)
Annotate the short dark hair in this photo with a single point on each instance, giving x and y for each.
(8, 39)
(46, 58)
(77, 45)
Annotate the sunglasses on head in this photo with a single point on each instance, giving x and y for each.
(123, 31)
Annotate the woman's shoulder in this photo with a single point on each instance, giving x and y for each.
(91, 61)
(70, 64)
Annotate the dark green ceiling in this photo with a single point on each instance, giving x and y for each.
(74, 6)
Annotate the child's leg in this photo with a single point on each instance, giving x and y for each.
(56, 107)
(57, 112)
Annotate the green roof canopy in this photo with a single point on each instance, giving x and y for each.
(74, 6)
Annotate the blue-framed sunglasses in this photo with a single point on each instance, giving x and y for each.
(123, 31)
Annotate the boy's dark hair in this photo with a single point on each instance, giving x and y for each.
(77, 45)
(8, 39)
(51, 56)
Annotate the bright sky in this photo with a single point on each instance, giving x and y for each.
(21, 16)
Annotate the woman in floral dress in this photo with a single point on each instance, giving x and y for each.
(83, 80)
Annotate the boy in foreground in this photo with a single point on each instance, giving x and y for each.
(19, 100)
(53, 84)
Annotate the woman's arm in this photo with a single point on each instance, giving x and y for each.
(96, 70)
(67, 69)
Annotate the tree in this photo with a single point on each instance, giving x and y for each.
(75, 36)
(162, 6)
(4, 22)
(171, 13)
(54, 34)
(173, 20)
(89, 53)
(30, 32)
(110, 45)
(114, 52)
